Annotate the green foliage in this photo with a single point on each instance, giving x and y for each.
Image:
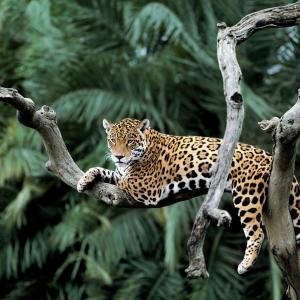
(178, 219)
(20, 152)
(111, 59)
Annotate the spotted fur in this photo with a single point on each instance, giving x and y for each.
(152, 166)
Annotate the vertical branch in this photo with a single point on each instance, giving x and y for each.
(228, 38)
(277, 218)
(231, 74)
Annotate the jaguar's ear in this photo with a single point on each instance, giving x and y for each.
(106, 125)
(145, 124)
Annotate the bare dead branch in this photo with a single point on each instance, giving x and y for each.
(60, 163)
(63, 166)
(228, 38)
(277, 218)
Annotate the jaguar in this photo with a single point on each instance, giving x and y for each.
(153, 166)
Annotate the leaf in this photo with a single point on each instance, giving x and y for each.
(257, 104)
(178, 218)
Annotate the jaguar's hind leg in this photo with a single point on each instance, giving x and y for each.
(249, 198)
(294, 202)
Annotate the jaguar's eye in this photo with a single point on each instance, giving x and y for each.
(130, 142)
(111, 141)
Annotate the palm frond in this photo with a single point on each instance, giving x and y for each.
(125, 238)
(17, 257)
(115, 59)
(260, 107)
(276, 279)
(69, 291)
(146, 279)
(156, 25)
(14, 213)
(78, 221)
(178, 218)
(22, 149)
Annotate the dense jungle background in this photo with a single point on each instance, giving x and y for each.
(112, 59)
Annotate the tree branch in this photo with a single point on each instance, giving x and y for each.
(63, 166)
(228, 38)
(277, 218)
(60, 163)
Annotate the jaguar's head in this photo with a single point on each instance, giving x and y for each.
(126, 140)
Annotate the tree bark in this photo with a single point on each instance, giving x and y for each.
(228, 38)
(276, 215)
(62, 165)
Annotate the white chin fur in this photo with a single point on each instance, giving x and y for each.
(121, 164)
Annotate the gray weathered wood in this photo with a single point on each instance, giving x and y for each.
(228, 38)
(63, 166)
(60, 163)
(276, 216)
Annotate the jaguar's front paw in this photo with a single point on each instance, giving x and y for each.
(81, 184)
(86, 180)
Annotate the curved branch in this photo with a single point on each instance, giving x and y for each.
(228, 38)
(281, 16)
(63, 166)
(60, 163)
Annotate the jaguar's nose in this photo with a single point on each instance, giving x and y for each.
(119, 157)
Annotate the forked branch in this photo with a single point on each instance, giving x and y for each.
(63, 166)
(228, 38)
(60, 163)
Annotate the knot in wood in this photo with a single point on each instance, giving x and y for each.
(237, 98)
(48, 112)
(260, 23)
(221, 25)
(13, 91)
(205, 207)
(48, 166)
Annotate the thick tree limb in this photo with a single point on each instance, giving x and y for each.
(60, 163)
(276, 216)
(228, 38)
(63, 166)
